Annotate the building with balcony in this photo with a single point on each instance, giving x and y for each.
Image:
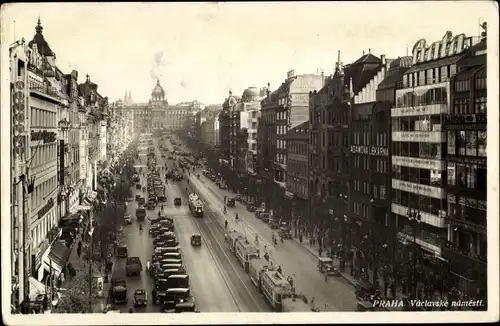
(419, 145)
(19, 61)
(253, 116)
(332, 115)
(71, 193)
(226, 130)
(46, 151)
(466, 129)
(297, 173)
(49, 128)
(370, 138)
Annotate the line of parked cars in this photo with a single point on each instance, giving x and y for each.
(171, 281)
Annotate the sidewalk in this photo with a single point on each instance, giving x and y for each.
(98, 304)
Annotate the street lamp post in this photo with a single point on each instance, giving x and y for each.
(415, 218)
(91, 254)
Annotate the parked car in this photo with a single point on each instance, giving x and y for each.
(177, 201)
(128, 219)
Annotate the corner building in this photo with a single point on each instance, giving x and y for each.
(419, 151)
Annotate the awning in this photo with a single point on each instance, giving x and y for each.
(56, 259)
(36, 288)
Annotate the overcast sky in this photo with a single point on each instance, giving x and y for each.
(202, 50)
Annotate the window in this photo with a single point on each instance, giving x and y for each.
(461, 175)
(451, 143)
(481, 143)
(471, 176)
(461, 106)
(471, 143)
(480, 105)
(461, 142)
(375, 191)
(382, 191)
(452, 179)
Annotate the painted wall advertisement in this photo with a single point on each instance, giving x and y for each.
(299, 99)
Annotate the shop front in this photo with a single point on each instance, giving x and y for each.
(53, 263)
(278, 198)
(289, 203)
(42, 251)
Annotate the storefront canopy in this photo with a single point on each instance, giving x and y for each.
(36, 288)
(56, 259)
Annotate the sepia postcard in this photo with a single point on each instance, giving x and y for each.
(249, 162)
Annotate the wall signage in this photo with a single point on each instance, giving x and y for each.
(469, 160)
(466, 119)
(46, 136)
(61, 161)
(419, 163)
(370, 150)
(46, 208)
(419, 136)
(417, 110)
(448, 46)
(420, 189)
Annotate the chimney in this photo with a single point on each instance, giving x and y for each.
(382, 57)
(74, 74)
(88, 78)
(350, 87)
(322, 78)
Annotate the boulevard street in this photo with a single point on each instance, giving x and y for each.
(333, 295)
(218, 283)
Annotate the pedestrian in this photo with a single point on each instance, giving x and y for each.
(153, 294)
(279, 270)
(79, 251)
(326, 277)
(320, 251)
(300, 238)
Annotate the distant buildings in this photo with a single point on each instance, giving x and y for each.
(158, 114)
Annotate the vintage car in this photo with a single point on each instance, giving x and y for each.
(177, 201)
(140, 297)
(231, 202)
(118, 290)
(128, 219)
(285, 230)
(122, 251)
(150, 205)
(189, 306)
(196, 240)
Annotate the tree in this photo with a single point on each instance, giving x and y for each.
(76, 297)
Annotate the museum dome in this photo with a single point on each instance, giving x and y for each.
(251, 94)
(158, 90)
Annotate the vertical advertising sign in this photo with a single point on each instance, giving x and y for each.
(61, 161)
